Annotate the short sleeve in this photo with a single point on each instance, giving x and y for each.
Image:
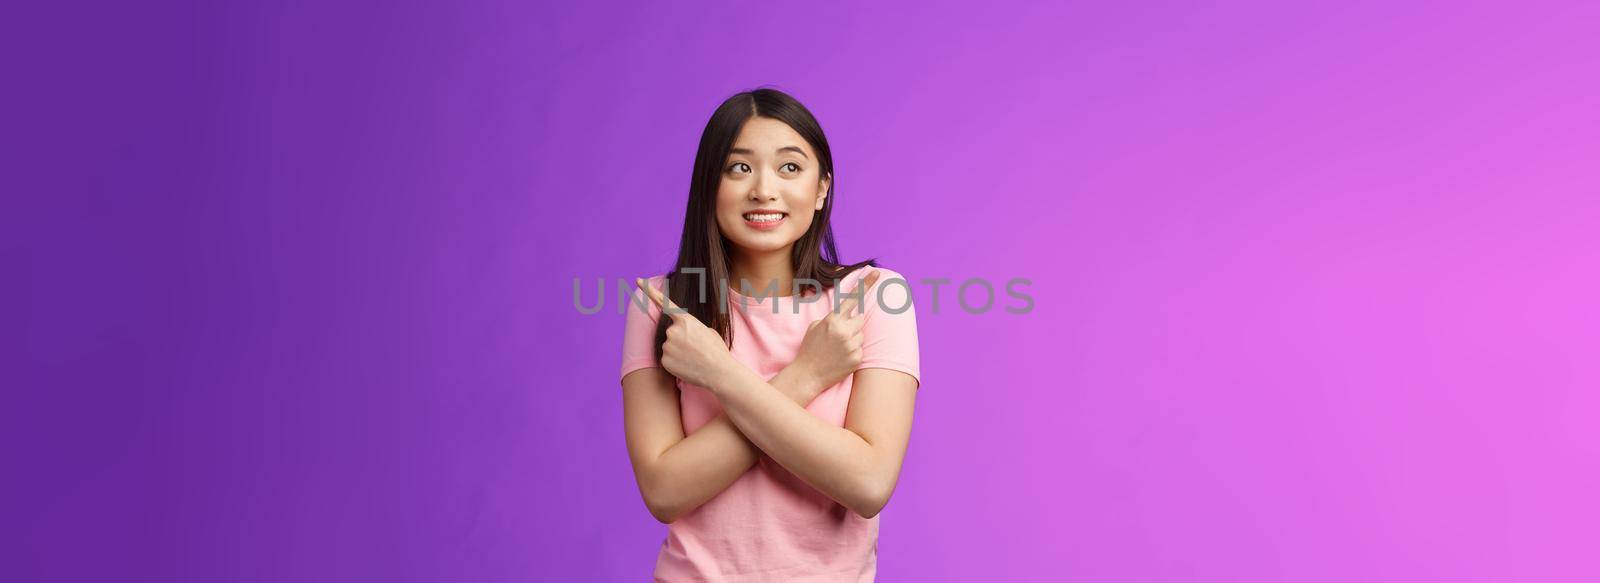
(639, 332)
(889, 334)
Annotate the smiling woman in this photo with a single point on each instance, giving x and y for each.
(767, 439)
(788, 159)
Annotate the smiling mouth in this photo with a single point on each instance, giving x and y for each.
(764, 218)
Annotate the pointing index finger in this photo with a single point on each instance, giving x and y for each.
(850, 304)
(659, 299)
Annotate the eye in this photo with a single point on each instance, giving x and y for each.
(739, 167)
(796, 166)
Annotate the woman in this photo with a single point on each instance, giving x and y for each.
(735, 403)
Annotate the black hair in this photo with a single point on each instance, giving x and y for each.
(703, 246)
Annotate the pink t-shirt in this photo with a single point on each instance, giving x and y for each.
(769, 525)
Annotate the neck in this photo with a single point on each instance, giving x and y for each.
(761, 270)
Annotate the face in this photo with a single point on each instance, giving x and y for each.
(771, 168)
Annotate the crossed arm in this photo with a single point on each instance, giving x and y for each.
(856, 465)
(678, 473)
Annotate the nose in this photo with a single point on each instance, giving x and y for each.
(763, 189)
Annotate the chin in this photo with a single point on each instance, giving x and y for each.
(764, 242)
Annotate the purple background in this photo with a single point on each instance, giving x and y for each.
(1315, 285)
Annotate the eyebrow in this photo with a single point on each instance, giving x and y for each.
(748, 152)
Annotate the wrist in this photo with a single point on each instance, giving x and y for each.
(730, 373)
(803, 378)
(787, 382)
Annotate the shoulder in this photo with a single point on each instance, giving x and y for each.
(887, 278)
(886, 274)
(892, 290)
(853, 278)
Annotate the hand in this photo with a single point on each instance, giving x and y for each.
(694, 353)
(831, 349)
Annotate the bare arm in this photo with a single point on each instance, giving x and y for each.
(678, 473)
(856, 465)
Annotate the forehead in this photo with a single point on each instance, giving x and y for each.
(764, 135)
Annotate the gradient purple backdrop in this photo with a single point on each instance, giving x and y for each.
(1315, 285)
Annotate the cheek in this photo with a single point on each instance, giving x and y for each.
(802, 202)
(800, 219)
(728, 209)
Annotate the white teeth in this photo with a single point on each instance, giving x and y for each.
(764, 218)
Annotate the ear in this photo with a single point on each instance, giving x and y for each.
(822, 191)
